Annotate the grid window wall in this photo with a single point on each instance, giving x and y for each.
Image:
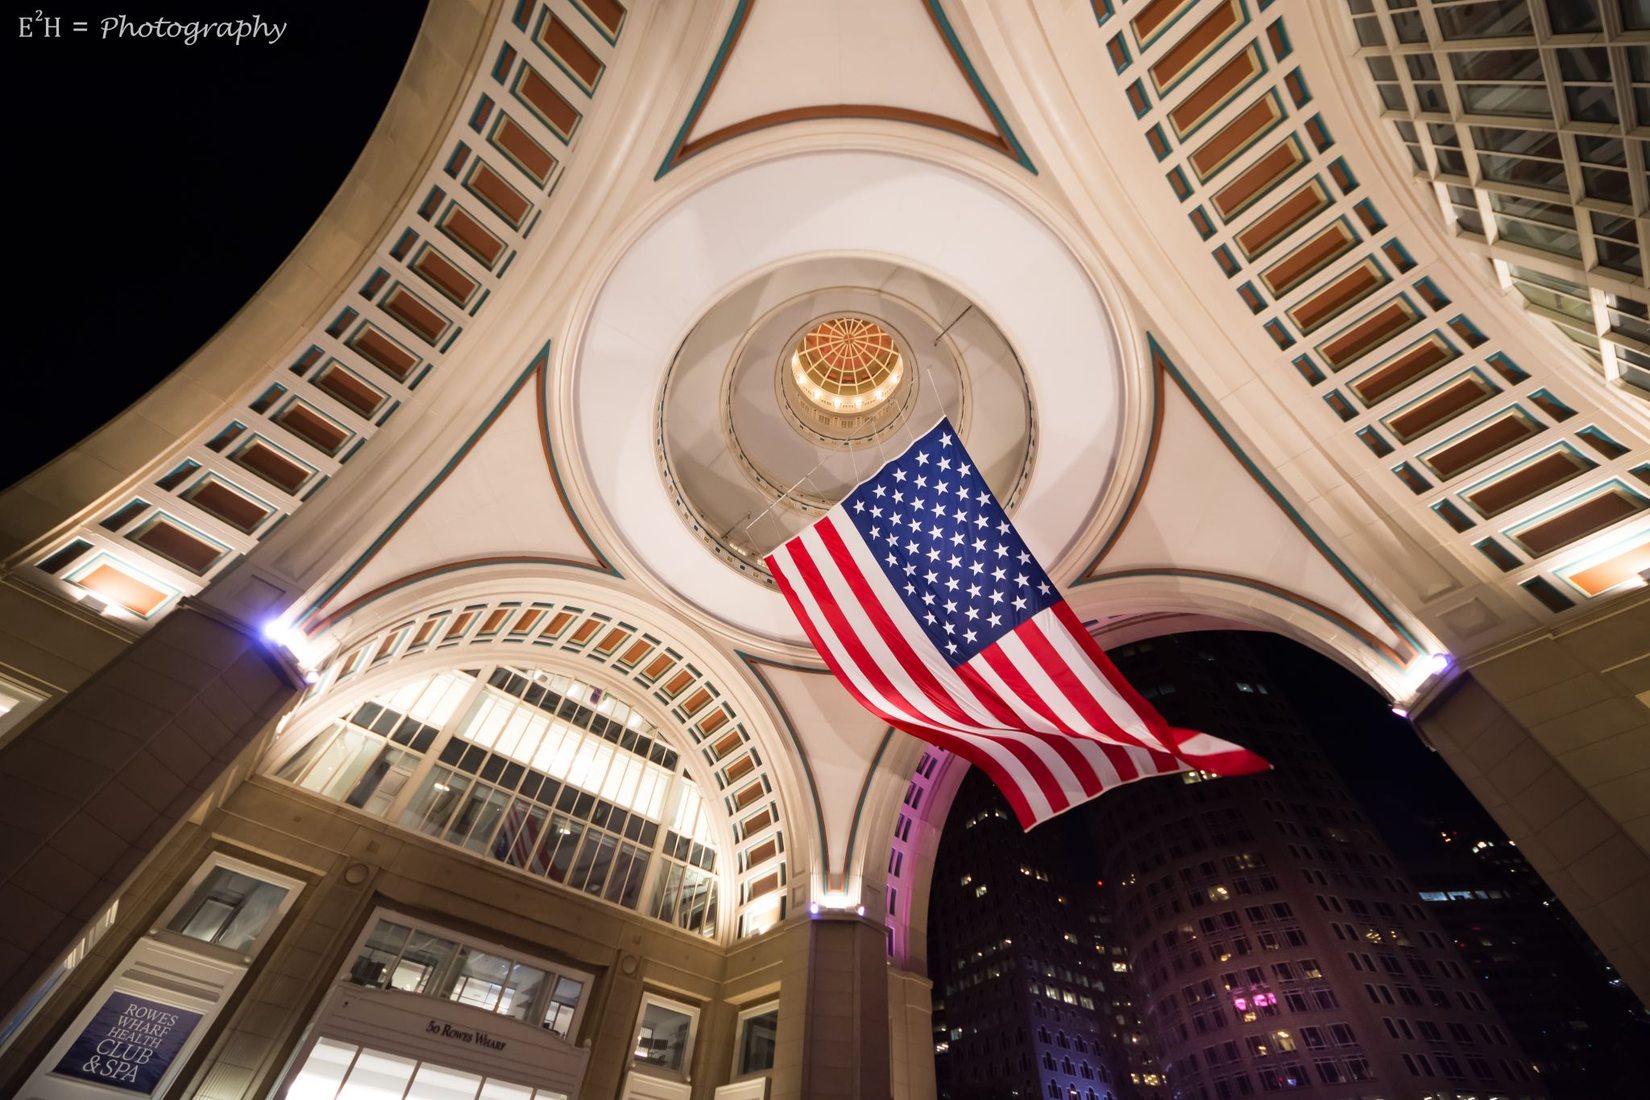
(1530, 118)
(547, 774)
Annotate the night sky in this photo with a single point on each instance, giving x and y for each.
(169, 181)
(157, 185)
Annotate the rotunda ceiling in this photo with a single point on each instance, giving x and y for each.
(797, 385)
(688, 352)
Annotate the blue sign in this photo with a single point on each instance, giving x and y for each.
(129, 1044)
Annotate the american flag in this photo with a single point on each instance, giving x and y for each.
(928, 606)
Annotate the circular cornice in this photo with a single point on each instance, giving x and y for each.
(740, 216)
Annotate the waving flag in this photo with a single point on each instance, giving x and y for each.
(923, 599)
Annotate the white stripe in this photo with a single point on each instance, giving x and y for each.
(1012, 646)
(1094, 681)
(1012, 698)
(1005, 758)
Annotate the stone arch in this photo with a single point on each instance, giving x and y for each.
(679, 681)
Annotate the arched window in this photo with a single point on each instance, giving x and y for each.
(547, 774)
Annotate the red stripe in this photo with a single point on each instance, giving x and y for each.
(891, 635)
(1125, 690)
(1088, 780)
(1058, 670)
(920, 676)
(1016, 683)
(975, 756)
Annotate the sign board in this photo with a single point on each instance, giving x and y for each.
(129, 1044)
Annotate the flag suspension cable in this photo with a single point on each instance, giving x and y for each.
(783, 496)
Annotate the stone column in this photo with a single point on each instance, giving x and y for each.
(911, 1035)
(1553, 736)
(845, 1031)
(95, 784)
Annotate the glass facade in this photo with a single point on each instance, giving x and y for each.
(339, 1070)
(541, 772)
(1529, 116)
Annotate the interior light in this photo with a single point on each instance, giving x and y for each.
(1438, 663)
(1401, 712)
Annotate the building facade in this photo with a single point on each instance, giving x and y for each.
(394, 698)
(1277, 944)
(1560, 999)
(1031, 997)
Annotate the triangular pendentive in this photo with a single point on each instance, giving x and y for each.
(794, 60)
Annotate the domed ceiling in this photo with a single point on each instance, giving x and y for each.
(799, 384)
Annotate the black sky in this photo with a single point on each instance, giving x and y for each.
(157, 185)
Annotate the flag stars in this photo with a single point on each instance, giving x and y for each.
(922, 481)
(968, 636)
(1021, 579)
(997, 574)
(955, 561)
(945, 439)
(1002, 551)
(996, 596)
(922, 458)
(951, 584)
(1042, 587)
(859, 506)
(899, 475)
(945, 463)
(878, 490)
(995, 619)
(1019, 603)
(976, 568)
(928, 598)
(973, 590)
(979, 544)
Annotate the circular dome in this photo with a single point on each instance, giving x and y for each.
(777, 457)
(847, 364)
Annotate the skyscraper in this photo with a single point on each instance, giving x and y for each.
(1562, 1002)
(1031, 996)
(1276, 943)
